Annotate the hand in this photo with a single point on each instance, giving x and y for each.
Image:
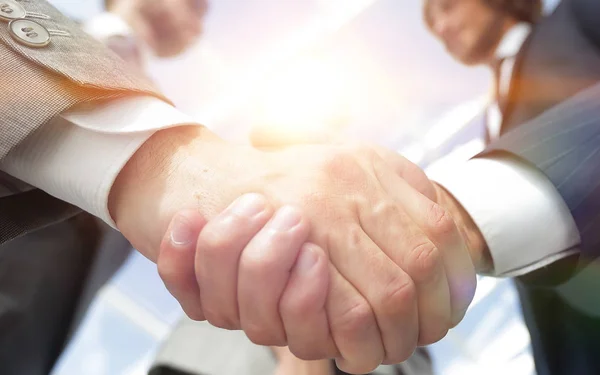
(400, 274)
(305, 276)
(167, 26)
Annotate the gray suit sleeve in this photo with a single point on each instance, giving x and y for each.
(40, 83)
(564, 143)
(587, 13)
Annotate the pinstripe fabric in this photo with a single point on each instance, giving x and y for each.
(553, 122)
(564, 143)
(40, 83)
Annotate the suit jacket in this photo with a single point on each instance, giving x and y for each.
(552, 121)
(560, 61)
(40, 83)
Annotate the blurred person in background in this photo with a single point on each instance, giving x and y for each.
(133, 28)
(536, 64)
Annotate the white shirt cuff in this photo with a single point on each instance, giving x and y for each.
(77, 156)
(522, 217)
(106, 25)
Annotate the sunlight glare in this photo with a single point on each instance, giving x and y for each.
(307, 97)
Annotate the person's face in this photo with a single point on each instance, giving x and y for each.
(469, 29)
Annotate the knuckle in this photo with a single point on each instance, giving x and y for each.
(397, 295)
(358, 317)
(212, 244)
(221, 321)
(166, 272)
(261, 264)
(433, 336)
(400, 355)
(424, 262)
(261, 336)
(354, 237)
(439, 221)
(194, 314)
(293, 308)
(385, 210)
(307, 353)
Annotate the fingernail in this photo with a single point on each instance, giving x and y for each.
(306, 260)
(181, 231)
(285, 219)
(249, 205)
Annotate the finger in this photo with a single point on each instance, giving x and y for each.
(354, 327)
(220, 245)
(264, 271)
(407, 170)
(406, 244)
(176, 261)
(302, 306)
(441, 229)
(388, 288)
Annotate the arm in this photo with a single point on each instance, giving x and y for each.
(532, 198)
(587, 13)
(513, 218)
(564, 144)
(71, 70)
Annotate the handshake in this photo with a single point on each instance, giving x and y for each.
(337, 251)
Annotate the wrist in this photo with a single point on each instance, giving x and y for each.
(182, 167)
(142, 197)
(476, 244)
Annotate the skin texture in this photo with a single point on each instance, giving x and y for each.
(387, 288)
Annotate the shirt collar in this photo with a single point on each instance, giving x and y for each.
(513, 40)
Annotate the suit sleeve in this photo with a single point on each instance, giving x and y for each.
(587, 13)
(38, 83)
(564, 143)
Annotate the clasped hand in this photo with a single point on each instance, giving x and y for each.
(336, 251)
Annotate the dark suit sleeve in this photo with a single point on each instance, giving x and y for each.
(40, 83)
(587, 13)
(564, 143)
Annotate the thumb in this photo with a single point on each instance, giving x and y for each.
(176, 261)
